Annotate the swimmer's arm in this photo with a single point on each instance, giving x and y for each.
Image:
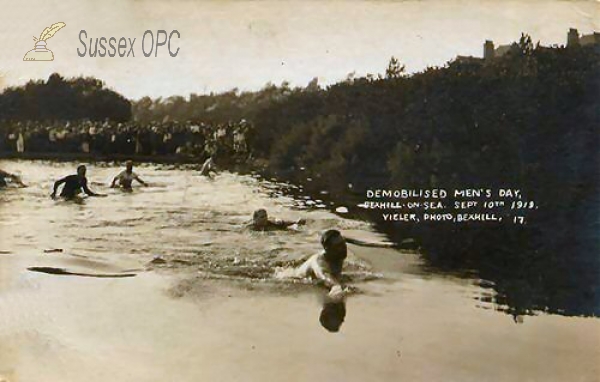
(367, 244)
(5, 174)
(328, 279)
(88, 191)
(12, 177)
(287, 223)
(116, 179)
(282, 223)
(140, 180)
(305, 269)
(56, 185)
(17, 180)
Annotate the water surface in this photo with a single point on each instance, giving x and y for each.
(209, 309)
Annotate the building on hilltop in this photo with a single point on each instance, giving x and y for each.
(573, 38)
(467, 59)
(488, 49)
(489, 52)
(504, 49)
(589, 39)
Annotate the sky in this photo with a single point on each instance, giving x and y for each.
(245, 44)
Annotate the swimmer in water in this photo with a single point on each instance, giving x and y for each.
(261, 222)
(11, 177)
(126, 178)
(73, 185)
(208, 168)
(327, 266)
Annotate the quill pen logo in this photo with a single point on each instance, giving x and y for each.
(40, 52)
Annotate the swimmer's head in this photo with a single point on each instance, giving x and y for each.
(333, 315)
(260, 218)
(129, 166)
(81, 169)
(332, 240)
(334, 245)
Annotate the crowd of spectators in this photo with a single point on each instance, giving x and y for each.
(230, 140)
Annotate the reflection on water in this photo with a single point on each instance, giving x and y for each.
(332, 315)
(62, 271)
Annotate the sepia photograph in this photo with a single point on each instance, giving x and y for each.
(300, 190)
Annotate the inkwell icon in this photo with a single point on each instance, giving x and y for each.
(40, 52)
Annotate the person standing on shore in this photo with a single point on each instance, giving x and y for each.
(208, 168)
(126, 178)
(20, 143)
(73, 185)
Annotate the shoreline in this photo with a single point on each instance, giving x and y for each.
(93, 157)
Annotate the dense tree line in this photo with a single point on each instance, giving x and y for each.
(214, 108)
(60, 99)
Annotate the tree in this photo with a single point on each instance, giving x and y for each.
(313, 85)
(525, 45)
(64, 99)
(394, 69)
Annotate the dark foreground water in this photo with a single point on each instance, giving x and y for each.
(165, 284)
